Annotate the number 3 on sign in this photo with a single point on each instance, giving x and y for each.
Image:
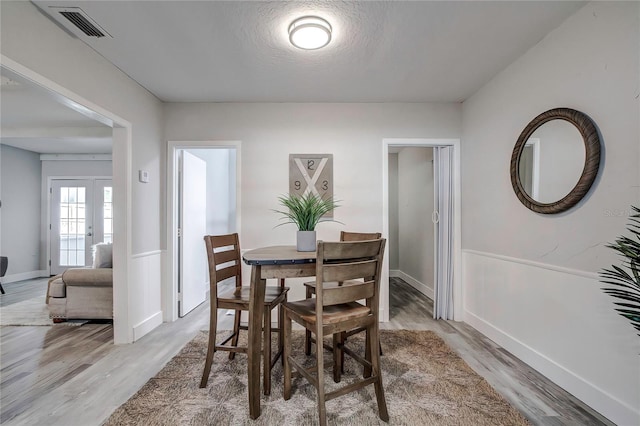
(311, 173)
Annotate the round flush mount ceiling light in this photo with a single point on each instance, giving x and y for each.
(309, 33)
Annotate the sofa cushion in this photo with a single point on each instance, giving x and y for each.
(102, 255)
(88, 277)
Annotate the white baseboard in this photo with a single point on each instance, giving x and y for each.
(560, 375)
(25, 276)
(147, 325)
(421, 287)
(530, 310)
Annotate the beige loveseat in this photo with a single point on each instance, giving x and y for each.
(81, 293)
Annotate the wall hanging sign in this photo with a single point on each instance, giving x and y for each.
(311, 173)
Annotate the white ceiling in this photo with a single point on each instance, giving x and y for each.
(32, 118)
(238, 51)
(393, 51)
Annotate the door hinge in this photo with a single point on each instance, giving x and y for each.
(49, 262)
(179, 232)
(50, 190)
(49, 226)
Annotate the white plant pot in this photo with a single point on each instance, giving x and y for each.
(306, 240)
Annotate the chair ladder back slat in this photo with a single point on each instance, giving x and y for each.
(348, 250)
(338, 295)
(349, 271)
(359, 236)
(226, 256)
(226, 273)
(342, 261)
(225, 240)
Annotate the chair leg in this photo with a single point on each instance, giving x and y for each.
(343, 340)
(281, 330)
(367, 353)
(236, 332)
(1, 289)
(337, 359)
(322, 411)
(211, 348)
(266, 358)
(374, 346)
(286, 369)
(307, 333)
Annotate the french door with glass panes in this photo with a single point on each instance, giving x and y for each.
(81, 215)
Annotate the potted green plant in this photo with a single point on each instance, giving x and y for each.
(626, 279)
(305, 212)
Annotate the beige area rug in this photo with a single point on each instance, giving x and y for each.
(425, 383)
(28, 312)
(32, 312)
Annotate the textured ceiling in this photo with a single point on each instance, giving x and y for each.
(238, 51)
(419, 51)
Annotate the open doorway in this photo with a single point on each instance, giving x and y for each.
(118, 131)
(411, 217)
(81, 215)
(421, 220)
(203, 183)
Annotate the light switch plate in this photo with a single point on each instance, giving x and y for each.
(143, 176)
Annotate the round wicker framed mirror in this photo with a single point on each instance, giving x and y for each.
(555, 160)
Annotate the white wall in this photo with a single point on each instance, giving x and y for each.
(353, 133)
(63, 169)
(415, 207)
(529, 279)
(33, 41)
(20, 224)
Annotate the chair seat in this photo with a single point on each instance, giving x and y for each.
(241, 295)
(306, 310)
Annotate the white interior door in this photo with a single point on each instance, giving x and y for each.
(192, 277)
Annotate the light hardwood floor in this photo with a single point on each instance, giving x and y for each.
(62, 375)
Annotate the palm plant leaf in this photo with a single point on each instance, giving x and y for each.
(305, 211)
(626, 279)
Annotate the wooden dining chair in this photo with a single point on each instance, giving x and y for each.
(311, 290)
(223, 254)
(4, 263)
(335, 310)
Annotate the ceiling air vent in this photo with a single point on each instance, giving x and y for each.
(79, 19)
